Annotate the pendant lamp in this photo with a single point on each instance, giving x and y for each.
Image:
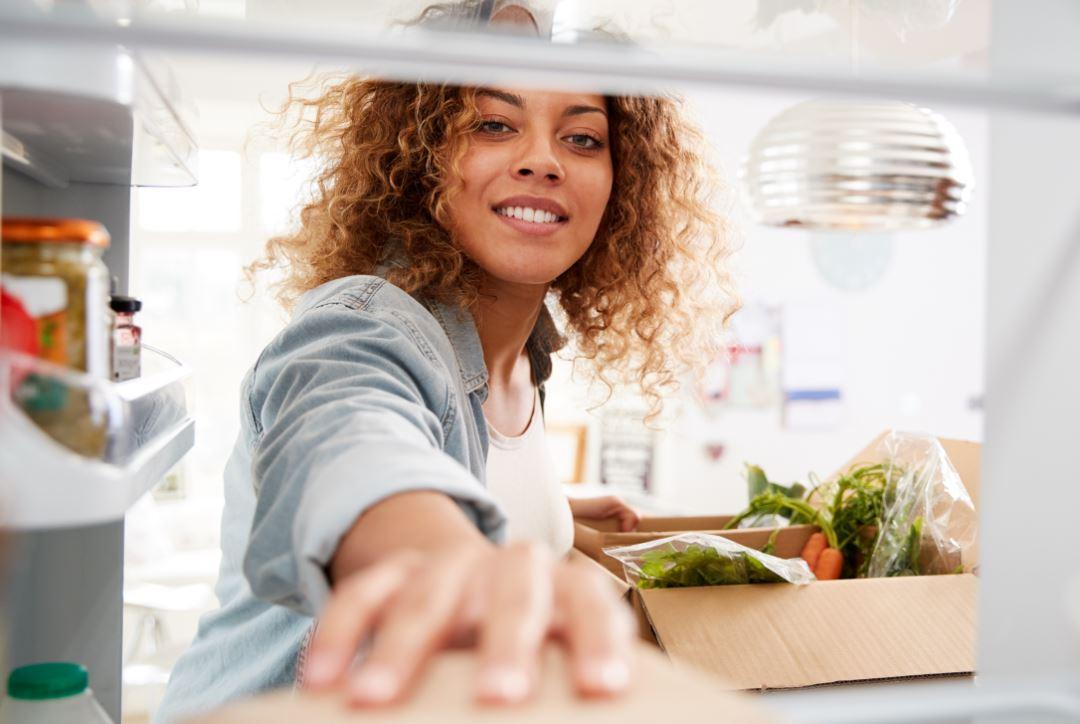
(858, 166)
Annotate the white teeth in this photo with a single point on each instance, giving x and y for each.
(535, 216)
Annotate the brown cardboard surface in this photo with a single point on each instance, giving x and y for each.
(663, 692)
(660, 523)
(779, 636)
(966, 457)
(591, 537)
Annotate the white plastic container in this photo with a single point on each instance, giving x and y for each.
(51, 693)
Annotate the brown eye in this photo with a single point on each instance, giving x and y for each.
(494, 127)
(585, 141)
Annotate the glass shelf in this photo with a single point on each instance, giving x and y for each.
(96, 113)
(79, 450)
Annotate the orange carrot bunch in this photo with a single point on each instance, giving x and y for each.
(826, 563)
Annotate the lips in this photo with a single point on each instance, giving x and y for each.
(532, 228)
(550, 207)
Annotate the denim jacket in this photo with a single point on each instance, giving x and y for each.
(367, 392)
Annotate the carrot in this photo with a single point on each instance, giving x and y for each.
(813, 548)
(829, 565)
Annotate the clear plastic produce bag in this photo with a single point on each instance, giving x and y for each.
(929, 521)
(700, 559)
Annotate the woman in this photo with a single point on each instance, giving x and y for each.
(394, 427)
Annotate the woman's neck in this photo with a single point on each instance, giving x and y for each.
(505, 317)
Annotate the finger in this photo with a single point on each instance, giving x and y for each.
(353, 606)
(598, 631)
(417, 622)
(519, 608)
(629, 519)
(472, 612)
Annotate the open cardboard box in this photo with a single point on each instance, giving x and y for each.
(591, 536)
(828, 632)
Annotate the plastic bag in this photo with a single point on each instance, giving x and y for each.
(929, 521)
(700, 559)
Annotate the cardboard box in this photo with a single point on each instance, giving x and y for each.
(661, 692)
(782, 636)
(591, 537)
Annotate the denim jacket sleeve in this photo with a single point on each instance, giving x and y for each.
(348, 409)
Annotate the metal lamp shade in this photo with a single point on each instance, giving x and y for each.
(868, 166)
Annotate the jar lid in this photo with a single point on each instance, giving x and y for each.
(120, 303)
(53, 680)
(54, 231)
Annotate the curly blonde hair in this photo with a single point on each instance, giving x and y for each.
(644, 303)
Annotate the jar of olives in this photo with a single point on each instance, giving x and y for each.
(56, 291)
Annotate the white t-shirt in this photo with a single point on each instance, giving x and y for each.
(522, 480)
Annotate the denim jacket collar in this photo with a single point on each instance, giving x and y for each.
(460, 329)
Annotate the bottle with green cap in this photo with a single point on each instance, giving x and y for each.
(51, 693)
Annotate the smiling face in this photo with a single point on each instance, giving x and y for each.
(536, 177)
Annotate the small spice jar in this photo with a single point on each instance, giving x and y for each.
(126, 340)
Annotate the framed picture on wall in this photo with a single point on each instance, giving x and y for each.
(567, 444)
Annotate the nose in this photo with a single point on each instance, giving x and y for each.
(538, 159)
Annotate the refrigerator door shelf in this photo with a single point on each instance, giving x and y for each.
(79, 450)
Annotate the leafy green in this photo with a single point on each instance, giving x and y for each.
(796, 510)
(770, 545)
(757, 483)
(850, 511)
(701, 566)
(906, 563)
(857, 506)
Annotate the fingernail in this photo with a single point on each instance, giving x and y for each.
(606, 675)
(322, 668)
(375, 685)
(503, 684)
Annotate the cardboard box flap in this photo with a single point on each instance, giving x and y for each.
(780, 636)
(660, 523)
(966, 457)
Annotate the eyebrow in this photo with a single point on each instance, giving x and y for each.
(519, 102)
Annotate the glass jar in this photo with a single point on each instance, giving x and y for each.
(53, 268)
(55, 304)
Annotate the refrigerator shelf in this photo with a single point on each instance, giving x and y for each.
(93, 113)
(79, 450)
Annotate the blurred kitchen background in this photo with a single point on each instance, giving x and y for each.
(841, 335)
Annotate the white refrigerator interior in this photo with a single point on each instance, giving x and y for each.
(89, 108)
